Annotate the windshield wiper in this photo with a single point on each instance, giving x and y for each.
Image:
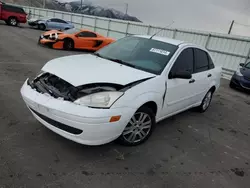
(121, 62)
(98, 55)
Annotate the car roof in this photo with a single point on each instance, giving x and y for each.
(164, 39)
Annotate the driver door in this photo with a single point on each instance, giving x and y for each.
(85, 40)
(180, 92)
(52, 24)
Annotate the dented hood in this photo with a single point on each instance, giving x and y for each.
(86, 69)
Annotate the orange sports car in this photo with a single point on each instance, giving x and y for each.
(74, 39)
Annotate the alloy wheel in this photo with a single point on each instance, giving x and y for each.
(13, 21)
(138, 128)
(207, 100)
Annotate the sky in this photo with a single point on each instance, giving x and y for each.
(206, 15)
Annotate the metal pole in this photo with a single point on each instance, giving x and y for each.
(231, 27)
(81, 6)
(44, 3)
(126, 8)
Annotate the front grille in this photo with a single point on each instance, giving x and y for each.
(57, 124)
(55, 86)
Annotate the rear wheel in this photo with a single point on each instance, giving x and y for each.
(139, 128)
(68, 44)
(206, 101)
(12, 21)
(41, 27)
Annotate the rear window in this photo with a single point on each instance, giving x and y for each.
(13, 9)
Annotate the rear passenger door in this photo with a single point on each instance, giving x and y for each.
(53, 24)
(202, 73)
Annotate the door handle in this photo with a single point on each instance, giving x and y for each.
(192, 81)
(209, 75)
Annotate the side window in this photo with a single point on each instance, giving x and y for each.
(211, 64)
(52, 20)
(87, 34)
(201, 61)
(60, 21)
(185, 61)
(13, 9)
(57, 20)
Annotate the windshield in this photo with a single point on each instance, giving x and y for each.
(141, 53)
(247, 65)
(71, 31)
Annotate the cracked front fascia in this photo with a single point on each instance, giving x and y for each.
(90, 88)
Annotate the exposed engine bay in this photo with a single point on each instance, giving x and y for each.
(58, 88)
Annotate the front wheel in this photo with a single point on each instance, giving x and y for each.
(206, 101)
(139, 128)
(41, 27)
(68, 44)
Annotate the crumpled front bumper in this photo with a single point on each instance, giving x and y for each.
(241, 82)
(50, 43)
(78, 123)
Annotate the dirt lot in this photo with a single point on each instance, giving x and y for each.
(188, 150)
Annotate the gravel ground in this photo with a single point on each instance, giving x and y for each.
(188, 150)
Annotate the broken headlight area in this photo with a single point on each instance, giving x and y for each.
(101, 95)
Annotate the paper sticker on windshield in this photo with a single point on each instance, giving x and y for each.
(159, 51)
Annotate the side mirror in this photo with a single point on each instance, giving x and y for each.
(181, 74)
(76, 35)
(242, 64)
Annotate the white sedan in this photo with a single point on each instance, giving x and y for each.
(121, 91)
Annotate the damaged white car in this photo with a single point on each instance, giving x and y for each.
(121, 91)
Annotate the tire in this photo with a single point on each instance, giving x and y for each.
(232, 85)
(12, 21)
(41, 27)
(135, 130)
(206, 101)
(68, 44)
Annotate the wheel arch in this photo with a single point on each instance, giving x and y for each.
(68, 38)
(12, 17)
(151, 105)
(213, 88)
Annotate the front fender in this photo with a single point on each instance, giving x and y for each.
(42, 22)
(140, 100)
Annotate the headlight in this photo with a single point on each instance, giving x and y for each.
(100, 100)
(238, 73)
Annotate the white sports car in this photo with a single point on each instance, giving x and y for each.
(121, 91)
